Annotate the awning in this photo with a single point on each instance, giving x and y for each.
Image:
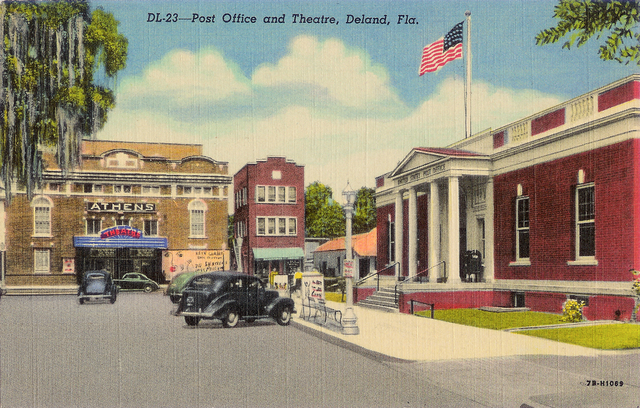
(120, 242)
(270, 254)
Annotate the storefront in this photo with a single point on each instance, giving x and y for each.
(120, 250)
(282, 260)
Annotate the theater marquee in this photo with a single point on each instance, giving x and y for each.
(121, 207)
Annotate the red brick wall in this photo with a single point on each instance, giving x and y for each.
(545, 302)
(605, 307)
(260, 173)
(446, 300)
(551, 189)
(383, 215)
(548, 121)
(616, 96)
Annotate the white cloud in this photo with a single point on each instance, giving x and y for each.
(335, 145)
(185, 77)
(344, 76)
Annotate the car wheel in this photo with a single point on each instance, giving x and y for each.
(148, 289)
(284, 316)
(113, 299)
(81, 301)
(192, 320)
(231, 319)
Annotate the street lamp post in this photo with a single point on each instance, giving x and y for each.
(349, 321)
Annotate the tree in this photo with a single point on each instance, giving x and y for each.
(364, 219)
(324, 217)
(586, 18)
(49, 55)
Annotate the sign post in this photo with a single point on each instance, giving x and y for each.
(349, 267)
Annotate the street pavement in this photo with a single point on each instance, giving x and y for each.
(491, 367)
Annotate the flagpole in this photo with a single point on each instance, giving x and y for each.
(467, 83)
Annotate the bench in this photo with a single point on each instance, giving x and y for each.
(319, 307)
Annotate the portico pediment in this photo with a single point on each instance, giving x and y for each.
(421, 157)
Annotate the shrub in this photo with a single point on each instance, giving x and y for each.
(572, 311)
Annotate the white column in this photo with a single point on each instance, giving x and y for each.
(399, 232)
(434, 231)
(453, 264)
(488, 234)
(413, 232)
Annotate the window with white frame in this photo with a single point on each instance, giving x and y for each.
(150, 228)
(41, 261)
(274, 194)
(94, 226)
(151, 190)
(122, 189)
(278, 226)
(585, 222)
(522, 228)
(271, 194)
(197, 210)
(41, 216)
(123, 222)
(260, 194)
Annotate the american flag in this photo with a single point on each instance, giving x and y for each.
(447, 49)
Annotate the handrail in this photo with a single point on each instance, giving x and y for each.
(371, 275)
(431, 305)
(416, 275)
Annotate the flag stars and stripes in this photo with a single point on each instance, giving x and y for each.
(439, 53)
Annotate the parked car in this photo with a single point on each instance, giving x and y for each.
(136, 281)
(230, 297)
(97, 285)
(177, 285)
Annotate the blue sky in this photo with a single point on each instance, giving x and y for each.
(342, 99)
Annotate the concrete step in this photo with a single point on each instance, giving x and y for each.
(384, 299)
(40, 290)
(377, 306)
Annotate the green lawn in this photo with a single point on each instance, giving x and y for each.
(605, 336)
(493, 320)
(334, 297)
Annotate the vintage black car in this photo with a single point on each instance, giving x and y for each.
(136, 281)
(97, 285)
(230, 297)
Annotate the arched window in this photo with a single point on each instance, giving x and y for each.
(41, 216)
(197, 209)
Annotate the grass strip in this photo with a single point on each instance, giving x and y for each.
(603, 337)
(494, 320)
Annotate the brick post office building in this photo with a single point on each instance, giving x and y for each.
(125, 208)
(530, 214)
(268, 220)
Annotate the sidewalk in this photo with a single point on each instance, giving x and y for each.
(413, 338)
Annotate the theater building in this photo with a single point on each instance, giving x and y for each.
(268, 220)
(128, 207)
(529, 214)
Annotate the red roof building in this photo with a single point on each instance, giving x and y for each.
(328, 257)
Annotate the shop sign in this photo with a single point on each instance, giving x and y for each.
(313, 285)
(121, 207)
(349, 266)
(174, 262)
(121, 231)
(68, 265)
